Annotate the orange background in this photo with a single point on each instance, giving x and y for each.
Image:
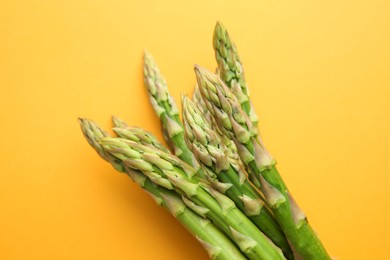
(319, 77)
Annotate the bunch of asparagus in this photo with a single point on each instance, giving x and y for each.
(216, 178)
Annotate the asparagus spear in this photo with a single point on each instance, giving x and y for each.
(136, 134)
(208, 148)
(233, 121)
(93, 133)
(208, 117)
(170, 172)
(165, 108)
(231, 148)
(217, 245)
(232, 70)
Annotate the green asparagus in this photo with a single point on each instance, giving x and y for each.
(232, 70)
(234, 122)
(231, 149)
(171, 173)
(217, 178)
(217, 245)
(165, 108)
(208, 148)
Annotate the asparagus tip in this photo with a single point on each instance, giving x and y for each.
(146, 53)
(184, 102)
(83, 121)
(218, 25)
(202, 71)
(198, 71)
(118, 122)
(148, 58)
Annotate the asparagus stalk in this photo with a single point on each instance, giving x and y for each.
(232, 70)
(208, 148)
(165, 108)
(217, 245)
(170, 172)
(233, 121)
(208, 117)
(231, 149)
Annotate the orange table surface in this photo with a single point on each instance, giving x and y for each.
(318, 73)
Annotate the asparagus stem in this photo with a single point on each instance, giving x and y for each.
(216, 243)
(208, 148)
(231, 148)
(234, 122)
(165, 108)
(232, 70)
(168, 171)
(208, 117)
